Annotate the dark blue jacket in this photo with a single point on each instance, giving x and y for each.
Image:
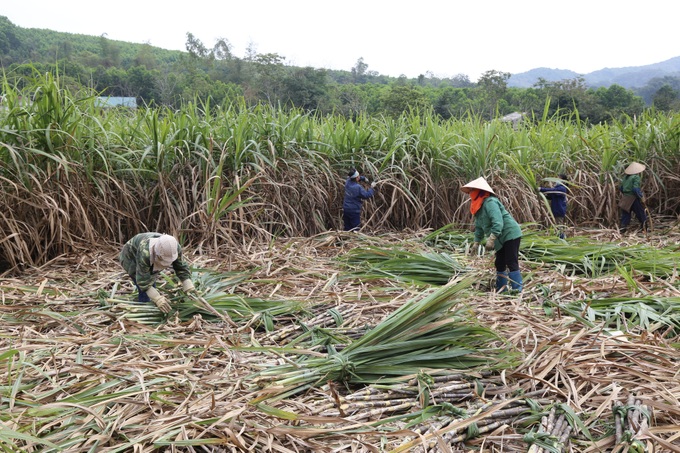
(354, 195)
(558, 199)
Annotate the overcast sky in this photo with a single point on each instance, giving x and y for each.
(446, 37)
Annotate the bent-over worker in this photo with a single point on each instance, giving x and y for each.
(144, 256)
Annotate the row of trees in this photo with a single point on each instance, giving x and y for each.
(161, 77)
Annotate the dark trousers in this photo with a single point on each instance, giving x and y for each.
(142, 297)
(508, 256)
(352, 220)
(561, 224)
(639, 212)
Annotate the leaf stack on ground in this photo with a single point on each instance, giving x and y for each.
(337, 354)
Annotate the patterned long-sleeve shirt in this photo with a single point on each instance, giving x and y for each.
(136, 260)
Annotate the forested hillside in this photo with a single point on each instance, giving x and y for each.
(214, 74)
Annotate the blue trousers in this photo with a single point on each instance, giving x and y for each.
(143, 296)
(352, 220)
(639, 212)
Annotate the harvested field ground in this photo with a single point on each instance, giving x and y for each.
(85, 368)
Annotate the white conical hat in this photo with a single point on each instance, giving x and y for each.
(634, 168)
(479, 183)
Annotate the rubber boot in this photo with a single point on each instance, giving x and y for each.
(501, 281)
(516, 281)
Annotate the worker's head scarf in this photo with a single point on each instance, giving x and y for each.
(478, 190)
(477, 197)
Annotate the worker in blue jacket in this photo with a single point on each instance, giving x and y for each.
(355, 194)
(558, 203)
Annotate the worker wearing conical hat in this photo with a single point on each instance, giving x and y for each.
(503, 233)
(632, 200)
(144, 256)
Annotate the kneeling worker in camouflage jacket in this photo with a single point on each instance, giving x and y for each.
(144, 256)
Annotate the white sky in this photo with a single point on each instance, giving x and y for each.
(445, 37)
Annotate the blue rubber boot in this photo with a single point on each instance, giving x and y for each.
(516, 281)
(501, 281)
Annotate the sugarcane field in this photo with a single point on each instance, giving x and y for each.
(290, 334)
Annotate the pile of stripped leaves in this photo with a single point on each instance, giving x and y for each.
(345, 342)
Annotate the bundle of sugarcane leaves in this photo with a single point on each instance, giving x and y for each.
(419, 267)
(449, 237)
(580, 255)
(215, 298)
(628, 314)
(576, 255)
(425, 333)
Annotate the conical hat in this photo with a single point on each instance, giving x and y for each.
(634, 169)
(479, 183)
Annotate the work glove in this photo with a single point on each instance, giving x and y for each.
(188, 286)
(490, 242)
(373, 184)
(474, 248)
(160, 301)
(163, 304)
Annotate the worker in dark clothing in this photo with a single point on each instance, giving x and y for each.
(632, 199)
(558, 203)
(355, 194)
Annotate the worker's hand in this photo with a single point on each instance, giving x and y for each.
(490, 242)
(160, 301)
(188, 286)
(163, 304)
(373, 184)
(474, 248)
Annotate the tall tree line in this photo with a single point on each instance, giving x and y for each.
(213, 74)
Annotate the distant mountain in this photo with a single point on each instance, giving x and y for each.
(629, 77)
(529, 78)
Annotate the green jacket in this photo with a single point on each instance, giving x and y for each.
(136, 260)
(492, 218)
(630, 185)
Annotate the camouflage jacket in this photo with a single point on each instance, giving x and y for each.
(136, 260)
